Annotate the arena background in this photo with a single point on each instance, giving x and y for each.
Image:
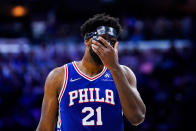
(158, 43)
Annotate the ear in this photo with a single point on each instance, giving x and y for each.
(87, 42)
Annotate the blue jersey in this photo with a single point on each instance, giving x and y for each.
(89, 103)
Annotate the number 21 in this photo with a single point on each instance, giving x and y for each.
(85, 121)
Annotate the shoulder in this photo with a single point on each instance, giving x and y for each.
(129, 75)
(54, 80)
(127, 70)
(56, 73)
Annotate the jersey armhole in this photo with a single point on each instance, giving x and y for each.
(64, 83)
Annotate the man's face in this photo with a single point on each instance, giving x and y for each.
(95, 57)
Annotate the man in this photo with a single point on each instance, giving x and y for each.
(92, 94)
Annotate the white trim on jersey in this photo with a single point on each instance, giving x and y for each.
(64, 83)
(88, 77)
(61, 93)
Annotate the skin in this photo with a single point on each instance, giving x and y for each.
(52, 88)
(125, 81)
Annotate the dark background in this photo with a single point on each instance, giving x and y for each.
(149, 45)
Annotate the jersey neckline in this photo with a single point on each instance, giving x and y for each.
(86, 76)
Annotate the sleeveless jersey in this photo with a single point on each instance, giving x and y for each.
(89, 103)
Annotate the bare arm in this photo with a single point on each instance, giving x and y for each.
(132, 104)
(125, 81)
(50, 101)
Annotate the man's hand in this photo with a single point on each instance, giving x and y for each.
(107, 54)
(124, 79)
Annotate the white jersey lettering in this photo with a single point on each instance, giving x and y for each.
(72, 95)
(87, 95)
(109, 97)
(83, 95)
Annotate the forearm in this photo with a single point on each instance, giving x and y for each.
(45, 125)
(50, 102)
(48, 120)
(132, 104)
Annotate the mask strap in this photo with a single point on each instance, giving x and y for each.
(102, 30)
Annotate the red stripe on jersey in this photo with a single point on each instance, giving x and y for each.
(88, 77)
(64, 84)
(59, 118)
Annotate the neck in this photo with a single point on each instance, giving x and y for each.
(88, 66)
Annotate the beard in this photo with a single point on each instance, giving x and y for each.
(95, 57)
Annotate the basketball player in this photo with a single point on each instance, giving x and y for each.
(92, 94)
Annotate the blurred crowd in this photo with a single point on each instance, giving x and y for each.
(165, 78)
(166, 81)
(47, 29)
(157, 28)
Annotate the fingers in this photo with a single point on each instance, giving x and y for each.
(98, 44)
(106, 44)
(97, 50)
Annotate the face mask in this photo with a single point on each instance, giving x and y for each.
(100, 31)
(103, 30)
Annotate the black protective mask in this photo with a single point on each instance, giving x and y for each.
(102, 30)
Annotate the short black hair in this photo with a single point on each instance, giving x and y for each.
(100, 20)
